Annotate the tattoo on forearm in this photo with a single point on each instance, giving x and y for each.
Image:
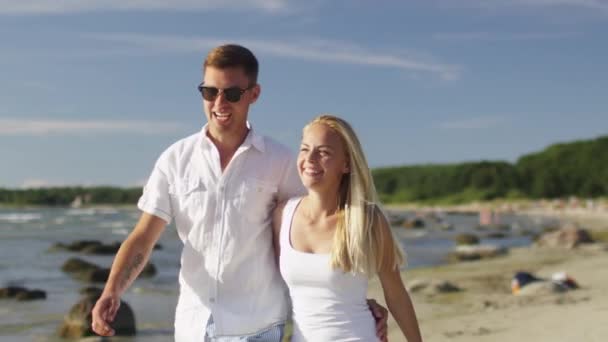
(131, 267)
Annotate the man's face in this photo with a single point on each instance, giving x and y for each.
(227, 118)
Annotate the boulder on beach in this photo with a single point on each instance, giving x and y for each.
(85, 271)
(99, 275)
(466, 239)
(568, 236)
(101, 249)
(496, 235)
(22, 293)
(91, 291)
(413, 223)
(77, 265)
(31, 295)
(95, 247)
(434, 286)
(89, 272)
(75, 246)
(11, 291)
(475, 252)
(148, 271)
(77, 323)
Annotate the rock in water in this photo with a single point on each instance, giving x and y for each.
(77, 323)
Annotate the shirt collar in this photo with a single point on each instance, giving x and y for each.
(252, 139)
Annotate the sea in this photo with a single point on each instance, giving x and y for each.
(27, 234)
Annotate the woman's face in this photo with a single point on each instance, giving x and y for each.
(322, 158)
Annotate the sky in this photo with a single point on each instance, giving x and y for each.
(91, 92)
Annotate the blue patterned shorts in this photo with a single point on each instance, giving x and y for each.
(273, 334)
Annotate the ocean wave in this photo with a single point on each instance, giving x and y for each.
(20, 217)
(80, 212)
(92, 211)
(113, 224)
(120, 232)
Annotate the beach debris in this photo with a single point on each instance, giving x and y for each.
(432, 286)
(564, 280)
(466, 239)
(475, 252)
(77, 323)
(568, 236)
(22, 293)
(521, 279)
(525, 283)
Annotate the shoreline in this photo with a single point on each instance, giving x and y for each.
(486, 310)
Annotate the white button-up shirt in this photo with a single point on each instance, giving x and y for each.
(228, 268)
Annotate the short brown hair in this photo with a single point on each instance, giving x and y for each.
(233, 56)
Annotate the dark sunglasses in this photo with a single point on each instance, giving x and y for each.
(232, 94)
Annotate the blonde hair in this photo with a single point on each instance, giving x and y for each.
(360, 240)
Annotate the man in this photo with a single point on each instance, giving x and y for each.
(219, 186)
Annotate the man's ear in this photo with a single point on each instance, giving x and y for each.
(255, 93)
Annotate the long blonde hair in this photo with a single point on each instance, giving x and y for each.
(360, 240)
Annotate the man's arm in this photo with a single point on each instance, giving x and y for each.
(131, 258)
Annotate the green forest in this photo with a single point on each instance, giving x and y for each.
(578, 168)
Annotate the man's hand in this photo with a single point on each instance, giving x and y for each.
(381, 316)
(103, 314)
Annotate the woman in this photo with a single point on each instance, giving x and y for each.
(332, 240)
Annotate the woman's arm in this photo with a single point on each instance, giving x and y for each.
(397, 298)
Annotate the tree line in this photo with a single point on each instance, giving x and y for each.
(578, 168)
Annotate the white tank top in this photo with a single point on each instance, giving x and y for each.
(328, 305)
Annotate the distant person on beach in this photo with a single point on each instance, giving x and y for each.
(220, 186)
(330, 241)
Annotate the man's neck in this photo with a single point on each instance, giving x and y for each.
(227, 144)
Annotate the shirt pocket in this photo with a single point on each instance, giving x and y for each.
(189, 194)
(255, 199)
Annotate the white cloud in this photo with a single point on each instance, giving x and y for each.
(39, 183)
(38, 127)
(74, 6)
(501, 36)
(585, 4)
(474, 123)
(310, 50)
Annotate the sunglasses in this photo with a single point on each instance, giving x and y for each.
(232, 94)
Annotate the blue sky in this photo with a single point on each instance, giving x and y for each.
(93, 91)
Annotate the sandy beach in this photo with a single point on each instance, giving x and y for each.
(486, 310)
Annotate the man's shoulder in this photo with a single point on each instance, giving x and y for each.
(180, 149)
(276, 149)
(184, 144)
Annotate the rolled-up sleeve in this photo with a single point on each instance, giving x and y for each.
(155, 199)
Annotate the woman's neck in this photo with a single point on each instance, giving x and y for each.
(322, 204)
